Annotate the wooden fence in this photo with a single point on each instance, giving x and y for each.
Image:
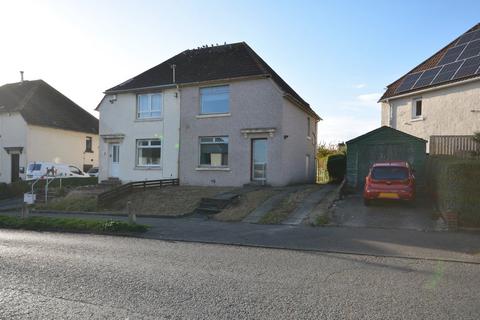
(459, 146)
(115, 193)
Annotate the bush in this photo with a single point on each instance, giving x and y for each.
(454, 184)
(13, 190)
(336, 166)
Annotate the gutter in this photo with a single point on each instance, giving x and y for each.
(430, 89)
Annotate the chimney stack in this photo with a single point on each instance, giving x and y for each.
(21, 76)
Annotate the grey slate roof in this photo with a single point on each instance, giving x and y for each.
(234, 60)
(42, 105)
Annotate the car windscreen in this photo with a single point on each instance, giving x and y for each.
(93, 170)
(389, 173)
(34, 167)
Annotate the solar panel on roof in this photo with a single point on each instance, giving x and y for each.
(451, 55)
(469, 37)
(469, 67)
(408, 82)
(427, 77)
(447, 72)
(472, 49)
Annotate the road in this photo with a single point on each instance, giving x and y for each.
(53, 276)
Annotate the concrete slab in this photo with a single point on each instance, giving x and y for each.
(302, 211)
(256, 215)
(351, 212)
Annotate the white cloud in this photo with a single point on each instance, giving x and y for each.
(369, 98)
(359, 85)
(335, 129)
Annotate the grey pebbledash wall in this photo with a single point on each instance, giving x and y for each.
(255, 103)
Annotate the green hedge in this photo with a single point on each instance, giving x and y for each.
(455, 186)
(331, 168)
(13, 190)
(17, 189)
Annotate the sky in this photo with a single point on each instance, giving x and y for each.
(338, 55)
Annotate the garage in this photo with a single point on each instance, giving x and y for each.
(384, 144)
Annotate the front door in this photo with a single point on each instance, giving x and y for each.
(15, 167)
(114, 160)
(259, 160)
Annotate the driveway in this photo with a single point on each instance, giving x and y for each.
(351, 212)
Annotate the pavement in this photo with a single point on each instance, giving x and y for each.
(67, 276)
(406, 243)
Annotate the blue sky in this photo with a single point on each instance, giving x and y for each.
(338, 55)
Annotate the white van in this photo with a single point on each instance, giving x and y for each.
(37, 170)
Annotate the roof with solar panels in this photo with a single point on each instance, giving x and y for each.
(457, 62)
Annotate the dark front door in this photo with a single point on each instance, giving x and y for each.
(15, 167)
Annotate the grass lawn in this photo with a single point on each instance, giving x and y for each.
(167, 201)
(248, 202)
(70, 224)
(287, 205)
(71, 203)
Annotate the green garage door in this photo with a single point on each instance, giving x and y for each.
(383, 144)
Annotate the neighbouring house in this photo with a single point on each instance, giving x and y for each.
(440, 96)
(38, 123)
(216, 116)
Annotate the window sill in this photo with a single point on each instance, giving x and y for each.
(212, 169)
(417, 119)
(213, 115)
(147, 168)
(148, 120)
(88, 151)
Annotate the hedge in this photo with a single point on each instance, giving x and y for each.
(455, 187)
(17, 189)
(332, 168)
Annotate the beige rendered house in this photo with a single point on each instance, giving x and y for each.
(211, 116)
(441, 96)
(38, 123)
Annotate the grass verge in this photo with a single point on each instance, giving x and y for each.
(70, 224)
(86, 204)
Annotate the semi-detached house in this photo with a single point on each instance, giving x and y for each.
(209, 116)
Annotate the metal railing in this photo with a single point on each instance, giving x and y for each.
(115, 193)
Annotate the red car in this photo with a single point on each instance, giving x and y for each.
(389, 180)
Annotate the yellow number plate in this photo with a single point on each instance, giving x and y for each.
(388, 195)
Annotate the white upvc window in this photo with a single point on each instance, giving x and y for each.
(149, 106)
(149, 152)
(213, 151)
(417, 108)
(215, 100)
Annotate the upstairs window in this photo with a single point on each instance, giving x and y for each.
(214, 151)
(417, 109)
(88, 144)
(215, 100)
(149, 106)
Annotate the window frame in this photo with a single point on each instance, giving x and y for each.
(308, 128)
(149, 146)
(414, 108)
(200, 165)
(88, 140)
(201, 111)
(151, 117)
